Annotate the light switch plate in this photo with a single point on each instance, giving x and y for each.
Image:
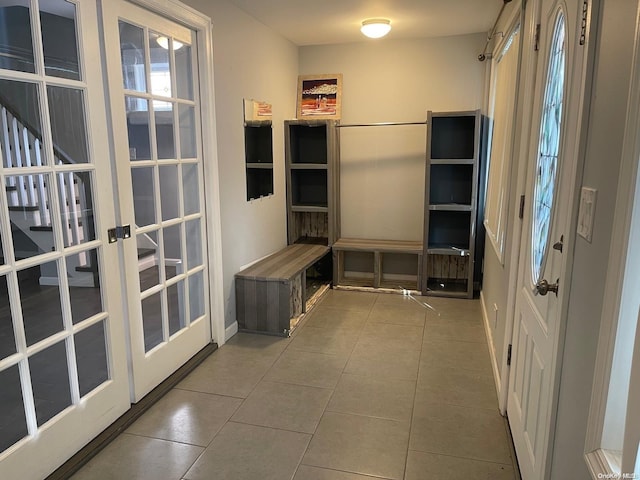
(586, 212)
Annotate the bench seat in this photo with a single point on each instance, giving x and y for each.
(272, 292)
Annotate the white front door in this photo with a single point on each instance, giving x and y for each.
(63, 370)
(553, 157)
(154, 86)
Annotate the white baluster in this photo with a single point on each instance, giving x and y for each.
(21, 180)
(83, 209)
(40, 187)
(11, 180)
(72, 209)
(30, 184)
(64, 209)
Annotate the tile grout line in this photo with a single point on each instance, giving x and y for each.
(324, 411)
(415, 396)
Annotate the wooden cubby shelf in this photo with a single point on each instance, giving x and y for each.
(258, 146)
(389, 264)
(451, 202)
(312, 179)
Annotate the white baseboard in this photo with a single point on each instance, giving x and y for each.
(492, 348)
(230, 331)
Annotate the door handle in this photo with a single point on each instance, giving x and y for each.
(543, 287)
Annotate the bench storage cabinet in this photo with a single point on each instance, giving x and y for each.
(272, 294)
(389, 264)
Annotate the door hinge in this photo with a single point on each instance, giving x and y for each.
(509, 355)
(585, 18)
(521, 211)
(122, 231)
(536, 45)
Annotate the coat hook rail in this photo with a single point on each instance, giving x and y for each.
(383, 124)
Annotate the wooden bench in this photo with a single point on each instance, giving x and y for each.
(271, 294)
(375, 276)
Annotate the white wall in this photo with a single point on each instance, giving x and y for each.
(250, 61)
(386, 80)
(602, 164)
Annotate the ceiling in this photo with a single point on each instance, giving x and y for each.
(318, 22)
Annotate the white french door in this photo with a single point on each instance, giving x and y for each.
(544, 261)
(63, 370)
(154, 85)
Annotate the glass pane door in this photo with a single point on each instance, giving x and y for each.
(155, 85)
(62, 358)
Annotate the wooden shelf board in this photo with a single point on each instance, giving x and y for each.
(384, 246)
(451, 207)
(309, 166)
(260, 165)
(308, 208)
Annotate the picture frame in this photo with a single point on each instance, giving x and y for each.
(319, 97)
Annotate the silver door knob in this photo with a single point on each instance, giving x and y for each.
(543, 287)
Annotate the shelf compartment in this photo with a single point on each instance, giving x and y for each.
(358, 269)
(453, 137)
(259, 182)
(309, 188)
(448, 274)
(451, 184)
(308, 143)
(309, 227)
(400, 270)
(258, 143)
(449, 229)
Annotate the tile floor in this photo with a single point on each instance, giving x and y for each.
(369, 386)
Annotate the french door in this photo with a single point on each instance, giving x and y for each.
(153, 80)
(63, 371)
(547, 234)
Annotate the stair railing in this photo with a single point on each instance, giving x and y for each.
(21, 146)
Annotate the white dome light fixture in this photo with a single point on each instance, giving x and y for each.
(164, 43)
(376, 27)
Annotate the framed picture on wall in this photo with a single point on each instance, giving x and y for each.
(319, 96)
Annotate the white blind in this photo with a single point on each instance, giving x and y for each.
(501, 112)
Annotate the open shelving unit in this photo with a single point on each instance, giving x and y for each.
(258, 145)
(451, 201)
(312, 177)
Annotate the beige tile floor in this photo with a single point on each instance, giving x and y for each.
(369, 386)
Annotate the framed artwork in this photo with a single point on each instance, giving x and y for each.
(319, 96)
(255, 110)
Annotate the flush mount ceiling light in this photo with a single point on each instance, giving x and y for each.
(376, 27)
(164, 43)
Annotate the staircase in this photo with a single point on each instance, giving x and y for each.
(29, 197)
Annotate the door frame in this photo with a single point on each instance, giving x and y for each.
(628, 183)
(574, 181)
(516, 183)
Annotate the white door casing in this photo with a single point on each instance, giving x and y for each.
(539, 319)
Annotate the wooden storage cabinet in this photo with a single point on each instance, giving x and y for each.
(273, 293)
(312, 178)
(451, 201)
